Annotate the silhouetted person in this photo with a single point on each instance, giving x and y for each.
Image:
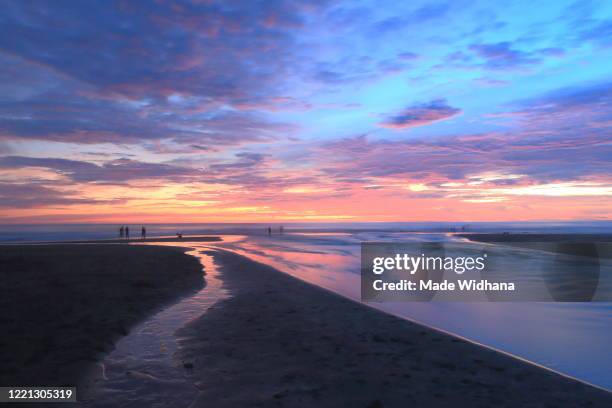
(143, 233)
(121, 232)
(127, 232)
(269, 231)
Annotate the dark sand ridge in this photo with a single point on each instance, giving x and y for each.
(283, 342)
(528, 237)
(591, 245)
(62, 307)
(186, 238)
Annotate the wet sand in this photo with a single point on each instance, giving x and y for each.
(64, 306)
(283, 342)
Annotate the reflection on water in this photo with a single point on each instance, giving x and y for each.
(572, 338)
(142, 370)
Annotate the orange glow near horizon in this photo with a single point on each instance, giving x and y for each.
(391, 200)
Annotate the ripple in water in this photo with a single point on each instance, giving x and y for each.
(143, 370)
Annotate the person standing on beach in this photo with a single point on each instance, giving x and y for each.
(143, 233)
(269, 231)
(121, 232)
(127, 232)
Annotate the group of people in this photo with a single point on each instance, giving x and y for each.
(281, 229)
(124, 232)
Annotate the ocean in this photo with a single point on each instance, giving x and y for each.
(63, 232)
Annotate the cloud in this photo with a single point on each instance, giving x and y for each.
(547, 144)
(420, 115)
(114, 171)
(37, 105)
(576, 113)
(482, 168)
(121, 73)
(588, 21)
(29, 195)
(273, 104)
(408, 56)
(245, 161)
(5, 148)
(599, 33)
(502, 55)
(196, 48)
(226, 98)
(592, 95)
(420, 15)
(246, 170)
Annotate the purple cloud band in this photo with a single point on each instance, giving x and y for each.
(420, 115)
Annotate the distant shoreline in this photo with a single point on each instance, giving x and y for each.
(488, 237)
(535, 237)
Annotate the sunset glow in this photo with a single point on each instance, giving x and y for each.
(302, 111)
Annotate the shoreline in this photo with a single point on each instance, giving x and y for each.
(68, 305)
(308, 346)
(279, 340)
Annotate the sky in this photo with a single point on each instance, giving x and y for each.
(261, 111)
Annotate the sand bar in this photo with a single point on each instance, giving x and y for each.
(283, 342)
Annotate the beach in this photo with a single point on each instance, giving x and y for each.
(63, 306)
(276, 341)
(279, 341)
